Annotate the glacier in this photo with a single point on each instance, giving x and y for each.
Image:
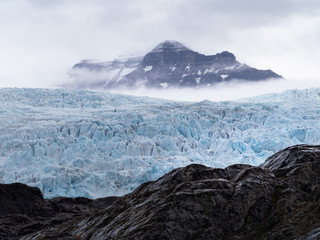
(96, 144)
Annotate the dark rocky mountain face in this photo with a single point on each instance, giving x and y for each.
(278, 200)
(170, 64)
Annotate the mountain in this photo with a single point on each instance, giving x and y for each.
(170, 64)
(101, 75)
(79, 143)
(279, 199)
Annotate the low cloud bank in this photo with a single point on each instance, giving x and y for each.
(224, 91)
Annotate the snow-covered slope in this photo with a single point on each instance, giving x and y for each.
(94, 144)
(89, 74)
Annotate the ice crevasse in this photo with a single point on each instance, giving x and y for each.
(97, 144)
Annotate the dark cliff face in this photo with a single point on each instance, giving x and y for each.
(171, 64)
(278, 200)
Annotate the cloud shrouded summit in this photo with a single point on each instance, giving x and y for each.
(170, 45)
(169, 64)
(42, 39)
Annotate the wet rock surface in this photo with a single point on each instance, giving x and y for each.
(278, 200)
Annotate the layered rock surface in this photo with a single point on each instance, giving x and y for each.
(279, 199)
(169, 64)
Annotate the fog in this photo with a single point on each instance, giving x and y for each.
(41, 40)
(223, 92)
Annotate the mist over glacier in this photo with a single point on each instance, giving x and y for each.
(95, 144)
(225, 91)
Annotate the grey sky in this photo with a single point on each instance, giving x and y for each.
(41, 40)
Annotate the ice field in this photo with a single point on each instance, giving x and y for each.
(95, 144)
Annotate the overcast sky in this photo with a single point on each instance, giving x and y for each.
(40, 40)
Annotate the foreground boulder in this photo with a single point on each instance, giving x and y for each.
(278, 200)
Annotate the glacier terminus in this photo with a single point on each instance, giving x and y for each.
(95, 144)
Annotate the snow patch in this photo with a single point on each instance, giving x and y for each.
(240, 66)
(230, 67)
(224, 76)
(185, 75)
(164, 85)
(147, 68)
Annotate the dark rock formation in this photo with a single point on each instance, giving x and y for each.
(170, 64)
(23, 210)
(278, 200)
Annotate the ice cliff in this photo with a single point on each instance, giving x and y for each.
(96, 144)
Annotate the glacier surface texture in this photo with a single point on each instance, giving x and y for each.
(94, 144)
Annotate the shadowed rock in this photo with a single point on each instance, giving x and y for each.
(278, 200)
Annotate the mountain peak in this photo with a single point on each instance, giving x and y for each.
(171, 64)
(170, 45)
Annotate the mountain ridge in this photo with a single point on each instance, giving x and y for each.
(169, 64)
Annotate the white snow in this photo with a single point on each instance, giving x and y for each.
(124, 72)
(185, 75)
(147, 68)
(224, 76)
(240, 65)
(95, 144)
(173, 68)
(198, 79)
(187, 68)
(164, 85)
(230, 67)
(94, 72)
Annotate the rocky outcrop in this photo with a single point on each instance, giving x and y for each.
(170, 64)
(278, 200)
